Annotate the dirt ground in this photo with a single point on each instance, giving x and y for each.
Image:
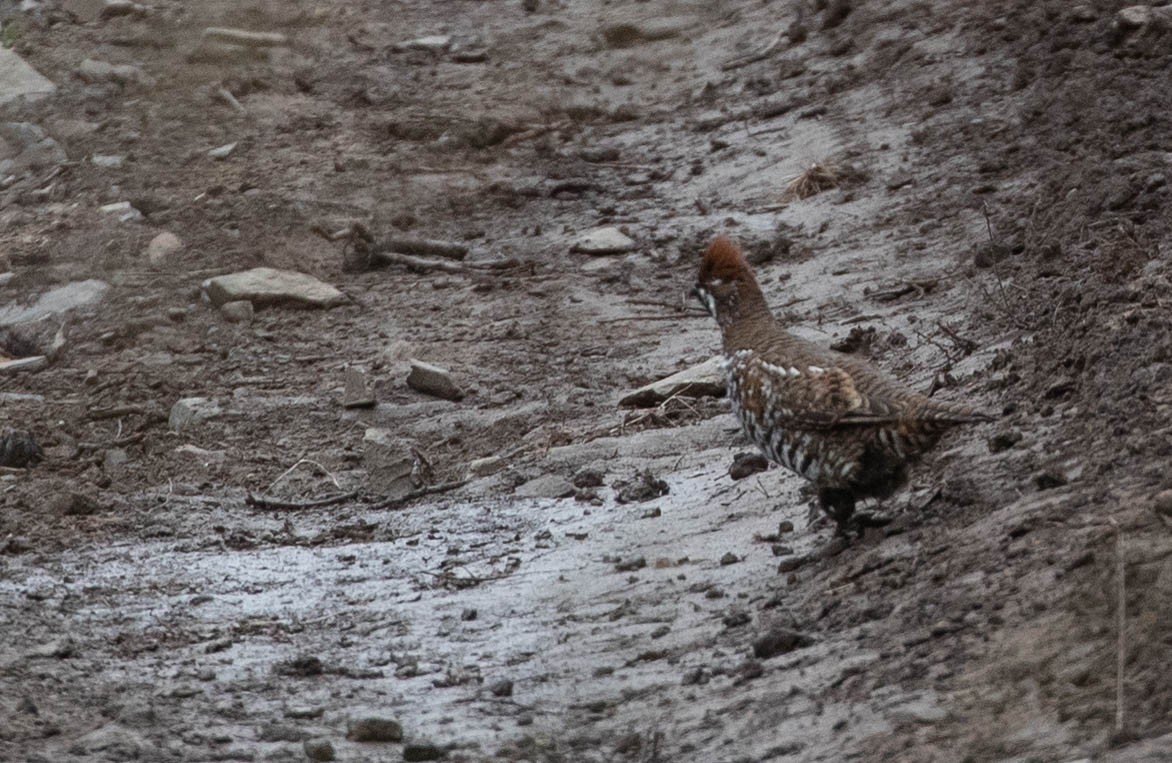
(1000, 234)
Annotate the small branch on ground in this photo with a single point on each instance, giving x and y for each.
(271, 504)
(443, 487)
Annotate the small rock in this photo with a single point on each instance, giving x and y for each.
(779, 641)
(468, 615)
(785, 526)
(502, 688)
(94, 72)
(746, 465)
(483, 467)
(73, 504)
(1061, 387)
(5, 278)
(108, 161)
(280, 732)
(609, 240)
(546, 486)
(20, 81)
(374, 729)
(644, 487)
(19, 449)
(318, 749)
(112, 742)
(631, 565)
(588, 478)
(1083, 14)
(358, 393)
(707, 379)
(422, 751)
(124, 209)
(1162, 503)
(192, 410)
(792, 563)
(780, 550)
(269, 286)
(238, 311)
(56, 649)
(919, 710)
(35, 149)
(1004, 441)
(55, 301)
(433, 380)
(389, 461)
(436, 43)
(113, 458)
(115, 8)
(729, 558)
(222, 152)
(1049, 479)
(163, 248)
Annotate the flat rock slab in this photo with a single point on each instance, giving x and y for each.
(609, 240)
(705, 379)
(546, 486)
(18, 79)
(433, 380)
(269, 286)
(55, 301)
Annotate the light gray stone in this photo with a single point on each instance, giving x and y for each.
(357, 392)
(19, 80)
(374, 729)
(545, 486)
(222, 152)
(55, 301)
(29, 147)
(318, 749)
(436, 43)
(705, 379)
(269, 286)
(192, 410)
(108, 161)
(162, 249)
(34, 363)
(238, 311)
(94, 71)
(609, 240)
(482, 467)
(433, 380)
(389, 462)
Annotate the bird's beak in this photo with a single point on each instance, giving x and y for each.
(705, 298)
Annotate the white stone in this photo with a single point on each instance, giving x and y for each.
(546, 486)
(56, 301)
(19, 80)
(222, 152)
(436, 43)
(191, 410)
(433, 380)
(482, 467)
(109, 161)
(33, 363)
(268, 286)
(705, 379)
(93, 71)
(239, 311)
(608, 240)
(162, 248)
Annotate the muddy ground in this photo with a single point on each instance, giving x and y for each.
(1000, 235)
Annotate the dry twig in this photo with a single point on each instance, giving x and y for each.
(271, 504)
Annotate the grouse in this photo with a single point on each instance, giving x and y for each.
(829, 417)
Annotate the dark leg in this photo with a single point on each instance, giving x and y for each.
(839, 505)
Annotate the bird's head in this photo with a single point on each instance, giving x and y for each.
(725, 285)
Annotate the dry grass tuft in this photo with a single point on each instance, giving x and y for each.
(817, 178)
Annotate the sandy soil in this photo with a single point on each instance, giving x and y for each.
(1000, 235)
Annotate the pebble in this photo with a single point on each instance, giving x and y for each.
(422, 751)
(1162, 503)
(608, 240)
(222, 152)
(483, 467)
(34, 363)
(630, 565)
(374, 729)
(502, 688)
(73, 504)
(389, 462)
(1004, 441)
(270, 286)
(545, 486)
(239, 311)
(162, 249)
(109, 161)
(318, 749)
(280, 732)
(644, 487)
(1049, 479)
(192, 410)
(746, 465)
(433, 380)
(707, 379)
(93, 72)
(729, 558)
(779, 641)
(588, 478)
(358, 393)
(436, 43)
